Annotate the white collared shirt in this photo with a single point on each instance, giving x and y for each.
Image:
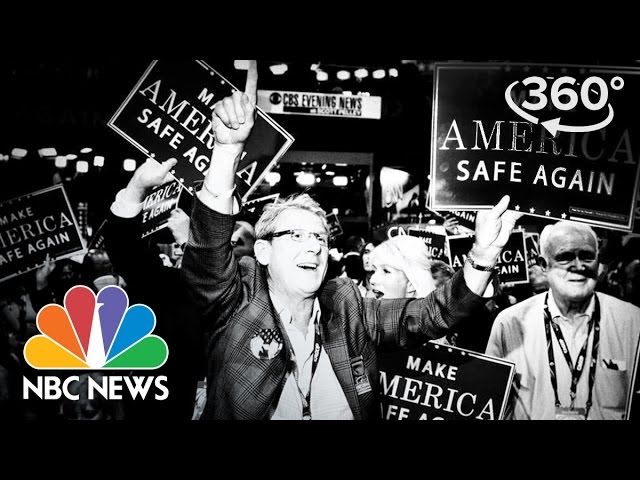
(576, 330)
(328, 401)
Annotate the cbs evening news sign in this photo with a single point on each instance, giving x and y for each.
(320, 104)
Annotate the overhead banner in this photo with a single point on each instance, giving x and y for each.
(36, 225)
(158, 205)
(320, 104)
(436, 243)
(439, 382)
(512, 263)
(562, 140)
(168, 115)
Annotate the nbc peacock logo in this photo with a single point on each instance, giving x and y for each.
(96, 332)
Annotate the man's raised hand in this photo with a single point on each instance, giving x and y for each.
(493, 228)
(234, 116)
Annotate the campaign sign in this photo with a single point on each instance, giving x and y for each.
(168, 115)
(335, 228)
(562, 140)
(512, 264)
(465, 218)
(440, 382)
(436, 243)
(389, 230)
(532, 242)
(33, 226)
(633, 397)
(158, 205)
(320, 104)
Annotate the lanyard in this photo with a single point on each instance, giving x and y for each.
(317, 347)
(576, 371)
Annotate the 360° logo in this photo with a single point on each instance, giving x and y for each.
(564, 98)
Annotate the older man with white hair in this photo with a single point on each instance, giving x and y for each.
(574, 348)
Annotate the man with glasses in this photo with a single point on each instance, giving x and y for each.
(574, 349)
(283, 343)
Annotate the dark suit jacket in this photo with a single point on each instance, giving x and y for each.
(177, 321)
(234, 298)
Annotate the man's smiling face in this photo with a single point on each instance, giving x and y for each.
(572, 268)
(297, 268)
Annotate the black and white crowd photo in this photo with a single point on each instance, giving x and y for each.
(199, 238)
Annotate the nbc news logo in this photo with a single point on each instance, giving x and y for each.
(96, 333)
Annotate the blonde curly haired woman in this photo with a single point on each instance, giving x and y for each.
(403, 268)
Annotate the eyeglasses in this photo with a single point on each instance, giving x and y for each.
(582, 255)
(300, 235)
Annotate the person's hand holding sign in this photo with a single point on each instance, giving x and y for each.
(451, 225)
(44, 271)
(233, 119)
(148, 175)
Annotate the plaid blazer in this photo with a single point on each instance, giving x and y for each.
(234, 300)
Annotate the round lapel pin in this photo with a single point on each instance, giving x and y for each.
(266, 344)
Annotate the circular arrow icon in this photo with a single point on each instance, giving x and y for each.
(554, 125)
